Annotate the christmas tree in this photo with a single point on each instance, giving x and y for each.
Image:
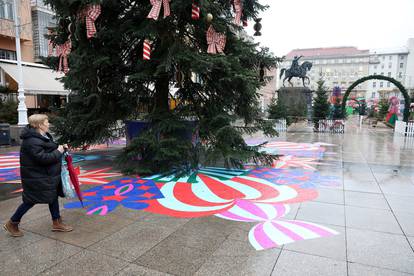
(122, 57)
(337, 113)
(320, 104)
(278, 110)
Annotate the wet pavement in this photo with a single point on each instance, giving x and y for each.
(371, 210)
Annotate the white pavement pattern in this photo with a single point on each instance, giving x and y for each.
(373, 212)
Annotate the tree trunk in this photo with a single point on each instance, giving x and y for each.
(161, 95)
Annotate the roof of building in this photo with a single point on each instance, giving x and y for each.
(327, 52)
(390, 51)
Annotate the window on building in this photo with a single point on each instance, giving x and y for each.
(373, 95)
(401, 65)
(6, 9)
(389, 65)
(390, 57)
(402, 57)
(6, 54)
(383, 57)
(375, 67)
(388, 84)
(381, 84)
(400, 75)
(382, 66)
(374, 84)
(382, 73)
(389, 74)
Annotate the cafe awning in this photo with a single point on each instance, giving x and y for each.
(38, 79)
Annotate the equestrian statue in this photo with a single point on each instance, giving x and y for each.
(296, 71)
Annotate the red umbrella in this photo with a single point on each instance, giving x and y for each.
(73, 176)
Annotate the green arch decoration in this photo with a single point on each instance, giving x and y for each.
(402, 89)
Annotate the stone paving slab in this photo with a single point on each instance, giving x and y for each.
(355, 269)
(238, 258)
(35, 257)
(366, 200)
(400, 203)
(299, 264)
(389, 251)
(333, 247)
(86, 263)
(371, 219)
(322, 213)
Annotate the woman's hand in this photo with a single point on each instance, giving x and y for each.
(61, 148)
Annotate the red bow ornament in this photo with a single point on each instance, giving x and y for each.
(216, 41)
(238, 8)
(62, 52)
(156, 8)
(90, 13)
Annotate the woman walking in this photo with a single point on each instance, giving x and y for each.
(40, 169)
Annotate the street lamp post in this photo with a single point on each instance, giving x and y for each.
(22, 109)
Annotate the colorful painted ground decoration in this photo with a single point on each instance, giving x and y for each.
(287, 161)
(132, 193)
(230, 194)
(259, 195)
(210, 195)
(9, 174)
(10, 160)
(271, 231)
(304, 179)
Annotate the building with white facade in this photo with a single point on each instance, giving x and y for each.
(337, 66)
(342, 66)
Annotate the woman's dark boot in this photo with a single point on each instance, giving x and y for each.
(13, 229)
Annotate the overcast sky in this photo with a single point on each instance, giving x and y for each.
(366, 24)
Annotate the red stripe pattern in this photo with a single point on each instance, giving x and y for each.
(147, 50)
(238, 8)
(90, 13)
(156, 8)
(62, 52)
(216, 41)
(195, 12)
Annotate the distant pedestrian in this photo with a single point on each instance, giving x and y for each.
(40, 169)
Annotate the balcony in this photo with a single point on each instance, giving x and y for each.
(374, 60)
(40, 5)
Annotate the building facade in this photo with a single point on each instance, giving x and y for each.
(8, 33)
(42, 89)
(336, 66)
(342, 66)
(43, 20)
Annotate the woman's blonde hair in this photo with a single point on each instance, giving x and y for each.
(37, 119)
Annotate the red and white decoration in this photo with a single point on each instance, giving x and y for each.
(238, 8)
(156, 8)
(147, 50)
(216, 41)
(195, 11)
(62, 51)
(90, 13)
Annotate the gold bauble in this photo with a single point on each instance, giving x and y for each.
(209, 17)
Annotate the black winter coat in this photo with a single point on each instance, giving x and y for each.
(40, 167)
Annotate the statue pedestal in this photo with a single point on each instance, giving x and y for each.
(298, 101)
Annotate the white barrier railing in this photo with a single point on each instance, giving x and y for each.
(331, 126)
(280, 125)
(403, 128)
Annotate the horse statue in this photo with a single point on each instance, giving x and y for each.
(298, 72)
